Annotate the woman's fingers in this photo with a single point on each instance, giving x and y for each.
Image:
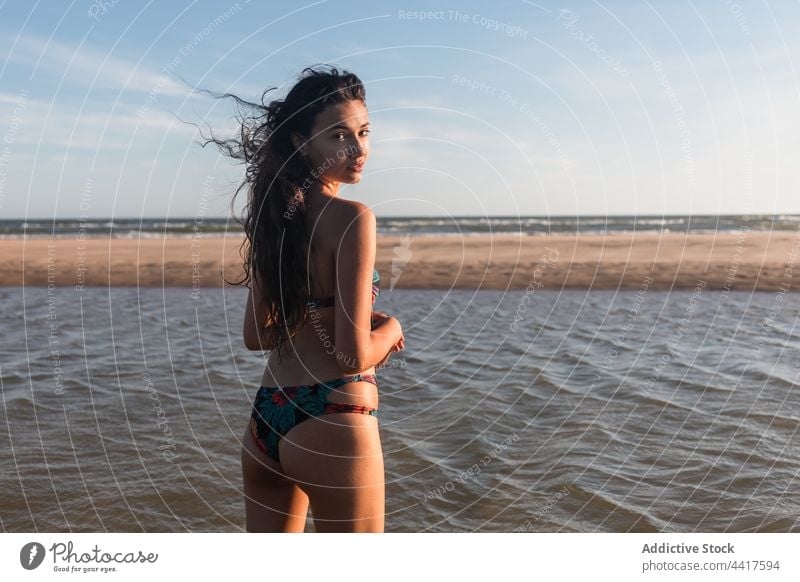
(377, 319)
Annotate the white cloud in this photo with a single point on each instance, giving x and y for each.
(89, 66)
(65, 126)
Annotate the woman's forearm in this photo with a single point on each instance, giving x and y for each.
(381, 341)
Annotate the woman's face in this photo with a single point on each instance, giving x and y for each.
(338, 145)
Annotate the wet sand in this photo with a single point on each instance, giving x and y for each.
(736, 261)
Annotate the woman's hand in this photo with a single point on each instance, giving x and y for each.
(378, 319)
(400, 345)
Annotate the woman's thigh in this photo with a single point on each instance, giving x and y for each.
(273, 503)
(337, 459)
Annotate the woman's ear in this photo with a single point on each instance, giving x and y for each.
(298, 142)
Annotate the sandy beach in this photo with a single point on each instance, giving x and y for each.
(736, 261)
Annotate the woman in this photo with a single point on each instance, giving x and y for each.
(313, 437)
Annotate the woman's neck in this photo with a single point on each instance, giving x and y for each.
(320, 188)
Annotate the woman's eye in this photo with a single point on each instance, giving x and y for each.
(340, 136)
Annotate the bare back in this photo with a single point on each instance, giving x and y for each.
(309, 357)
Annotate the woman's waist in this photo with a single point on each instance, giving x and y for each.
(339, 386)
(306, 350)
(293, 371)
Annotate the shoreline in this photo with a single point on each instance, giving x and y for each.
(744, 260)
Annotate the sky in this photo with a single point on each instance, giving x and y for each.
(476, 109)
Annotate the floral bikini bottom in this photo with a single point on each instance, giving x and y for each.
(277, 409)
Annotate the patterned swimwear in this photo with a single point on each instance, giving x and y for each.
(277, 409)
(331, 301)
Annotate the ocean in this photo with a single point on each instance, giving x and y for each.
(414, 226)
(508, 411)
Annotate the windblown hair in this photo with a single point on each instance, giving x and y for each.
(277, 176)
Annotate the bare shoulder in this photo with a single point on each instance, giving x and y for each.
(352, 233)
(351, 209)
(352, 218)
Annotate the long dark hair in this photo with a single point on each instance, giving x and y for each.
(277, 176)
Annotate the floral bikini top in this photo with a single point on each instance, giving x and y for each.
(330, 301)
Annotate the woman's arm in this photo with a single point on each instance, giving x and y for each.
(358, 347)
(256, 319)
(379, 318)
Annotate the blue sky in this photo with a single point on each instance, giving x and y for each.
(477, 108)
